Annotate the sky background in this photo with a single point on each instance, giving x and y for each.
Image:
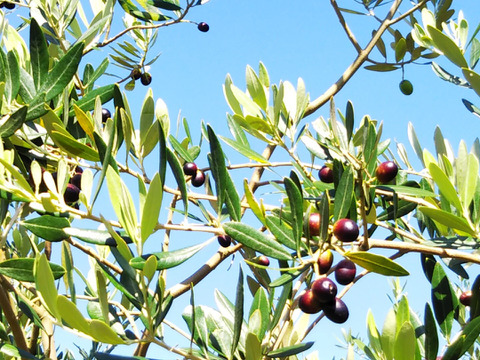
(299, 39)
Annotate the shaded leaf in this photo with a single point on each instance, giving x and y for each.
(22, 269)
(48, 227)
(290, 350)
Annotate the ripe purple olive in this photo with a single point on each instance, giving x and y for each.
(345, 230)
(325, 174)
(263, 260)
(190, 168)
(386, 172)
(466, 298)
(8, 5)
(345, 272)
(325, 261)
(337, 311)
(199, 179)
(146, 79)
(105, 115)
(71, 194)
(77, 180)
(314, 224)
(308, 302)
(203, 27)
(224, 240)
(325, 290)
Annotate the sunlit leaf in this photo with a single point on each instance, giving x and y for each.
(376, 263)
(21, 269)
(447, 46)
(168, 259)
(256, 240)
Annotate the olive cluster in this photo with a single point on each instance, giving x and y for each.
(7, 5)
(385, 173)
(72, 191)
(145, 77)
(197, 176)
(322, 294)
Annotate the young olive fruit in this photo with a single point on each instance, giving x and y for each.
(466, 298)
(406, 87)
(308, 302)
(146, 79)
(203, 27)
(199, 179)
(386, 172)
(224, 240)
(337, 311)
(325, 261)
(71, 194)
(190, 168)
(346, 230)
(106, 114)
(314, 224)
(263, 260)
(325, 290)
(325, 174)
(345, 272)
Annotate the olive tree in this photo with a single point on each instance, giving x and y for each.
(340, 189)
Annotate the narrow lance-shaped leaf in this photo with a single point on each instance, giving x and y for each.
(444, 301)
(151, 208)
(14, 122)
(281, 230)
(290, 350)
(71, 315)
(45, 285)
(448, 219)
(444, 185)
(261, 304)
(295, 199)
(238, 317)
(87, 102)
(21, 269)
(344, 194)
(179, 177)
(48, 227)
(405, 342)
(256, 240)
(252, 202)
(59, 77)
(376, 263)
(446, 45)
(105, 153)
(226, 192)
(39, 57)
(168, 259)
(431, 336)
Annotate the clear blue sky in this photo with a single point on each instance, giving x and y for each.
(301, 39)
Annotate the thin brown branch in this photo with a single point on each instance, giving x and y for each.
(10, 315)
(424, 249)
(344, 24)
(203, 271)
(143, 27)
(94, 255)
(352, 69)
